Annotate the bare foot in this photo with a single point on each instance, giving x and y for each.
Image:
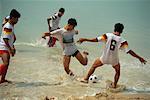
(112, 85)
(51, 98)
(3, 81)
(46, 98)
(82, 80)
(71, 73)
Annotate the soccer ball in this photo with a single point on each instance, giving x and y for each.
(93, 79)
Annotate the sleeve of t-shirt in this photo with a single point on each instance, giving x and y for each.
(75, 32)
(53, 17)
(124, 46)
(7, 31)
(57, 33)
(102, 38)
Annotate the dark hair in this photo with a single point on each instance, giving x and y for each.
(62, 10)
(14, 13)
(118, 27)
(72, 21)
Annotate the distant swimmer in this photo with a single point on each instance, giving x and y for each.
(66, 38)
(53, 24)
(113, 42)
(7, 40)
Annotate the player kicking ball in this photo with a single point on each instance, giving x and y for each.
(113, 42)
(65, 36)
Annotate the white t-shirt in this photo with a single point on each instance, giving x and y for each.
(54, 22)
(7, 32)
(66, 39)
(113, 44)
(64, 36)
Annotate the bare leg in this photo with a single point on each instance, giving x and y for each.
(66, 62)
(5, 59)
(49, 43)
(82, 59)
(117, 75)
(97, 63)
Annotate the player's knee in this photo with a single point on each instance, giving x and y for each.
(94, 66)
(118, 71)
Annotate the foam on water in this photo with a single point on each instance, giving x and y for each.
(38, 43)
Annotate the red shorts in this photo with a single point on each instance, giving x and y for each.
(3, 51)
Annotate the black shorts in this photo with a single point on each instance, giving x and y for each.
(75, 53)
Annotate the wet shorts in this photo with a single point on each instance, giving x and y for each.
(70, 50)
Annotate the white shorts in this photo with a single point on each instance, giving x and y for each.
(112, 62)
(69, 49)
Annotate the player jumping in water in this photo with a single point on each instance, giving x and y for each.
(69, 48)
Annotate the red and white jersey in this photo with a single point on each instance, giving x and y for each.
(113, 44)
(7, 32)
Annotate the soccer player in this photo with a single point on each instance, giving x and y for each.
(7, 40)
(113, 42)
(69, 48)
(53, 24)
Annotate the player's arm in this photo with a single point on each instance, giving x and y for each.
(125, 46)
(48, 21)
(132, 53)
(46, 34)
(87, 40)
(14, 42)
(100, 38)
(49, 27)
(12, 50)
(55, 34)
(76, 32)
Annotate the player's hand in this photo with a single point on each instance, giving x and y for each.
(49, 28)
(13, 52)
(76, 31)
(80, 40)
(44, 37)
(142, 60)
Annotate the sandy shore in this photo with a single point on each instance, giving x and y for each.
(112, 96)
(106, 96)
